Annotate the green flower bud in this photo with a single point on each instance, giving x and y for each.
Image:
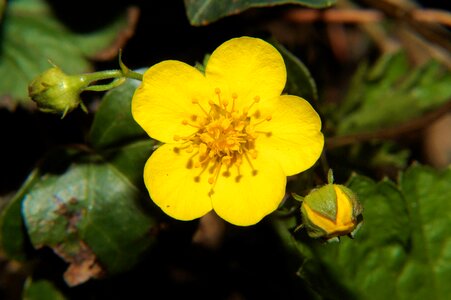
(331, 211)
(56, 92)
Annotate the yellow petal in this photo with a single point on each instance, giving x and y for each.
(165, 99)
(248, 67)
(344, 208)
(172, 185)
(245, 201)
(293, 134)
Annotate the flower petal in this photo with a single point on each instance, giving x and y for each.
(248, 67)
(245, 201)
(164, 99)
(172, 185)
(293, 134)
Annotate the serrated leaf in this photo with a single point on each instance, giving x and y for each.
(299, 80)
(202, 12)
(91, 211)
(41, 290)
(403, 249)
(392, 92)
(113, 123)
(32, 36)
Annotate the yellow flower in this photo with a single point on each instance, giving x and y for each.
(230, 137)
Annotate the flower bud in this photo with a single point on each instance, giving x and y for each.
(331, 211)
(55, 92)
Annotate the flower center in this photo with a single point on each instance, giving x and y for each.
(225, 137)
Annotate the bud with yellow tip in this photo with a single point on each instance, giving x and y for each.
(331, 211)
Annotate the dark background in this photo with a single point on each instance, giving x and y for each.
(250, 264)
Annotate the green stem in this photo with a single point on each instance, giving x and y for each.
(101, 75)
(110, 74)
(134, 75)
(106, 87)
(119, 77)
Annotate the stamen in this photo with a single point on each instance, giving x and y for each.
(254, 171)
(223, 137)
(234, 97)
(197, 178)
(267, 119)
(225, 103)
(186, 122)
(247, 109)
(195, 101)
(267, 133)
(218, 93)
(217, 168)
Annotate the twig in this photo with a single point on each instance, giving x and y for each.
(406, 13)
(122, 37)
(364, 16)
(432, 16)
(334, 15)
(392, 132)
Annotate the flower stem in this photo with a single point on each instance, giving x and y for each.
(110, 74)
(119, 77)
(134, 75)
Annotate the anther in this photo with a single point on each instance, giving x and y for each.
(257, 99)
(176, 138)
(217, 91)
(194, 101)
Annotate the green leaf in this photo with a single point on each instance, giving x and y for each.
(403, 249)
(299, 80)
(90, 210)
(12, 230)
(113, 123)
(32, 36)
(41, 290)
(427, 197)
(202, 12)
(392, 92)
